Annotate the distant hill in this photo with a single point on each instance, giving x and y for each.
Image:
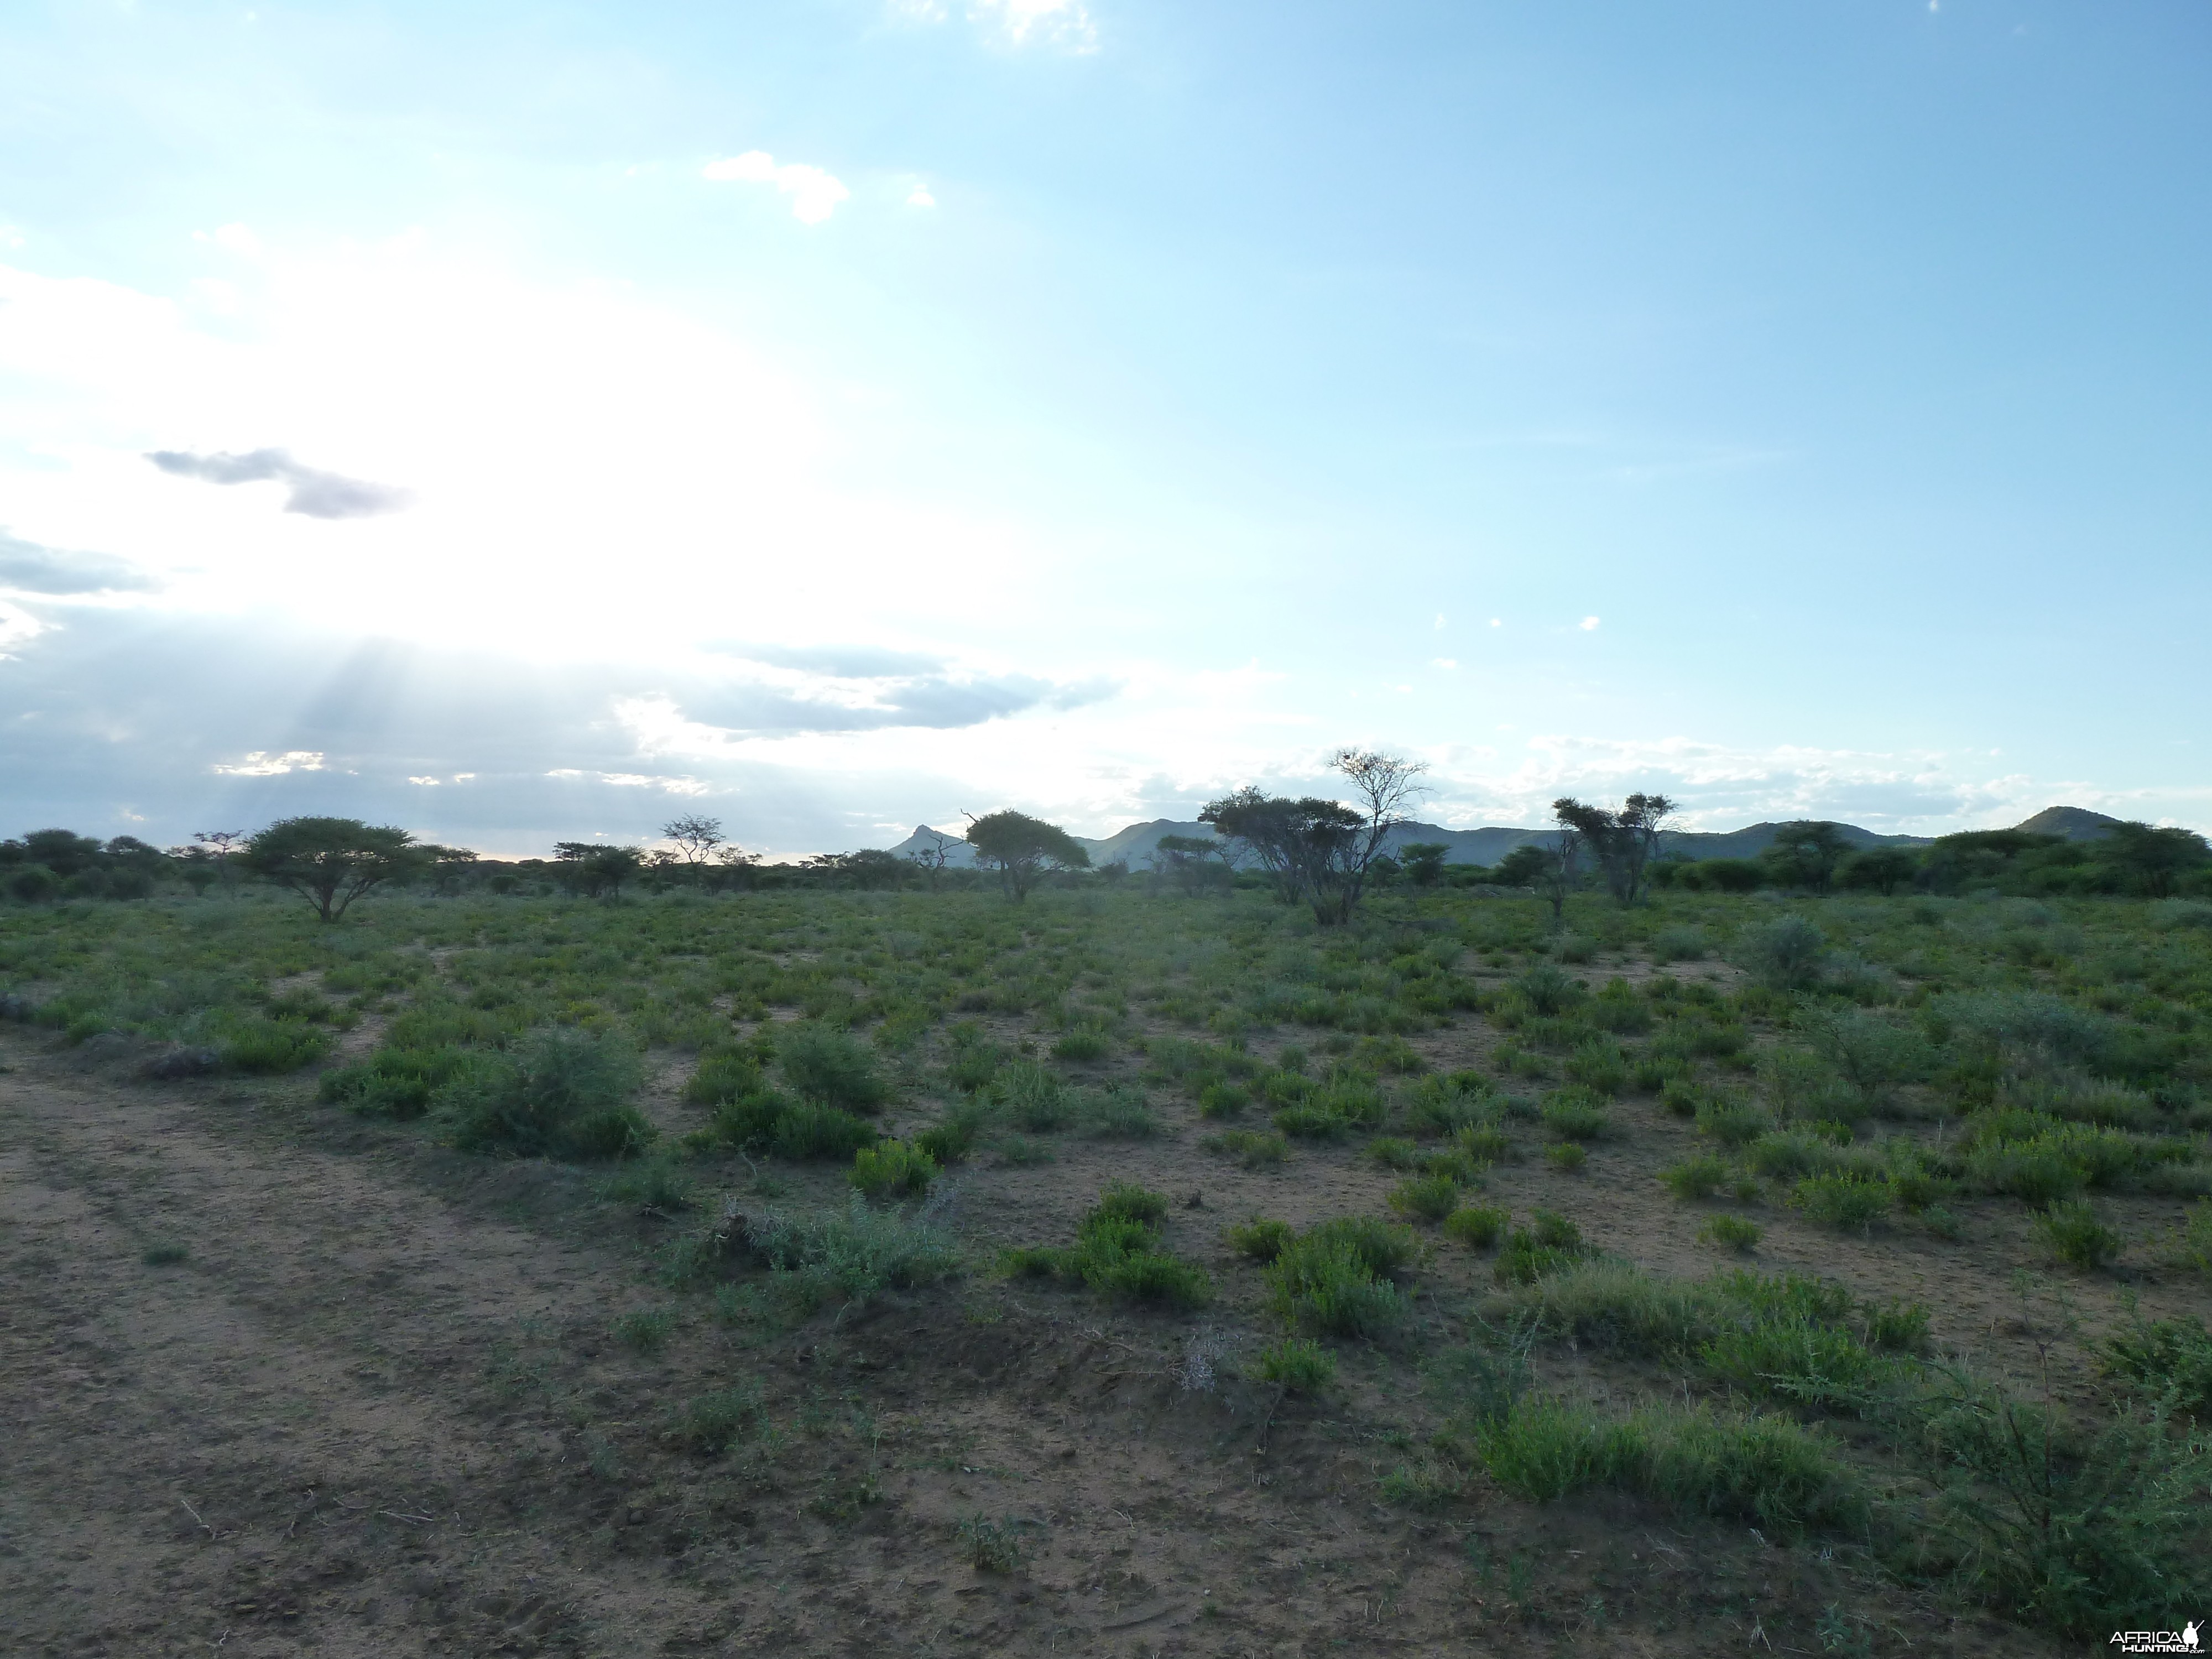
(2070, 822)
(1487, 846)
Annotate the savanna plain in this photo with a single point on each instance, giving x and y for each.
(1111, 1273)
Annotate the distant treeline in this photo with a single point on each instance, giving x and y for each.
(2127, 859)
(2130, 859)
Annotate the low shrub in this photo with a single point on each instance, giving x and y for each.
(1567, 1156)
(830, 1067)
(1575, 1115)
(1550, 990)
(1249, 1147)
(1224, 1100)
(268, 1047)
(2070, 1232)
(1548, 1243)
(1123, 1201)
(1731, 1232)
(1897, 1326)
(953, 1136)
(1032, 1097)
(1115, 1113)
(1791, 1154)
(1842, 1201)
(1599, 1065)
(849, 1254)
(2170, 1359)
(1426, 1198)
(1732, 1120)
(1312, 1122)
(992, 1546)
(1479, 1226)
(1261, 1238)
(1798, 1358)
(820, 1132)
(1786, 953)
(1699, 1177)
(1542, 1450)
(1446, 1106)
(1298, 1364)
(2072, 1529)
(1393, 1153)
(1778, 1475)
(1329, 1288)
(2193, 1239)
(722, 1075)
(559, 1093)
(1330, 1279)
(644, 1330)
(710, 1424)
(893, 1169)
(395, 1083)
(1484, 1143)
(652, 1184)
(1081, 1048)
(1117, 1251)
(1679, 943)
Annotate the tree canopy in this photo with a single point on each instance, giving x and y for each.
(1622, 842)
(1022, 849)
(1322, 851)
(594, 870)
(331, 862)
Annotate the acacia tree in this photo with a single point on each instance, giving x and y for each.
(1622, 842)
(220, 845)
(697, 836)
(2155, 857)
(331, 862)
(932, 855)
(594, 870)
(1424, 861)
(1555, 871)
(1805, 852)
(1196, 863)
(1023, 849)
(1886, 868)
(1322, 851)
(1267, 829)
(733, 867)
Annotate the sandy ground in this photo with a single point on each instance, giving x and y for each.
(377, 1410)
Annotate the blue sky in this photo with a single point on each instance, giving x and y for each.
(839, 417)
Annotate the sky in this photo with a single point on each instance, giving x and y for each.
(522, 422)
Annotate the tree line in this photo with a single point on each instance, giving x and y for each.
(1326, 854)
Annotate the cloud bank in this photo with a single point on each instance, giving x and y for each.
(28, 567)
(314, 493)
(814, 194)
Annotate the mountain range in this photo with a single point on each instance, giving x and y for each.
(1486, 846)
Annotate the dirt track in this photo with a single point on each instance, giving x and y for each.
(376, 1411)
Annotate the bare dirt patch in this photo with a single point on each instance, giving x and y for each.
(380, 1407)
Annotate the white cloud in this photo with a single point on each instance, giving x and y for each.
(1064, 23)
(921, 197)
(1723, 787)
(1588, 624)
(260, 764)
(431, 783)
(1446, 662)
(237, 238)
(814, 194)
